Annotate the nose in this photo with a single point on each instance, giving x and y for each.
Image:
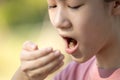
(61, 20)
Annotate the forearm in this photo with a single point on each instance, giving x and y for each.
(19, 75)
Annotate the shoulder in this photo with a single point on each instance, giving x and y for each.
(72, 69)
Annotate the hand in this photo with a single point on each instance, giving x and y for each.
(39, 63)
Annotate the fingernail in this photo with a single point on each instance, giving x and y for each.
(57, 53)
(32, 45)
(49, 49)
(61, 57)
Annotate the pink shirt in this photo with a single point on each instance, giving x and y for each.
(87, 71)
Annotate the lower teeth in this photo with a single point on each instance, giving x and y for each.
(71, 45)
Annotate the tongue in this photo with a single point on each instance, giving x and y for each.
(72, 46)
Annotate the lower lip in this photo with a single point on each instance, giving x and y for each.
(72, 50)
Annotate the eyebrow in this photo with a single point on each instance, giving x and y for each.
(61, 0)
(66, 0)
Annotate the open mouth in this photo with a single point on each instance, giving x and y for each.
(71, 44)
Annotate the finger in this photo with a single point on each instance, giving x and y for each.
(59, 64)
(56, 68)
(26, 56)
(30, 46)
(42, 61)
(45, 70)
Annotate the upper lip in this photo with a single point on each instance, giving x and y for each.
(66, 37)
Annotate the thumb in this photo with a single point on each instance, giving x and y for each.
(30, 46)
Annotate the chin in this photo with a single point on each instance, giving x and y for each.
(82, 59)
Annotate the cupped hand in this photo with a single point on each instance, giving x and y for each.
(39, 63)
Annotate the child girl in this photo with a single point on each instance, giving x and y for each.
(91, 31)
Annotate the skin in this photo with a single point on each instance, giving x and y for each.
(92, 23)
(90, 28)
(37, 64)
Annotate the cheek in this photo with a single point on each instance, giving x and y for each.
(93, 33)
(91, 25)
(51, 16)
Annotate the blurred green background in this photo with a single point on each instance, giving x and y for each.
(22, 20)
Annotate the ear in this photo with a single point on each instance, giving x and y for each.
(116, 7)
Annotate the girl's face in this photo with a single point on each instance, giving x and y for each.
(83, 24)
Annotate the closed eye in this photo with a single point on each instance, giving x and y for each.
(49, 7)
(75, 7)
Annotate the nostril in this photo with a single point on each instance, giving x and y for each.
(67, 24)
(63, 24)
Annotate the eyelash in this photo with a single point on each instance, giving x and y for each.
(75, 7)
(49, 7)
